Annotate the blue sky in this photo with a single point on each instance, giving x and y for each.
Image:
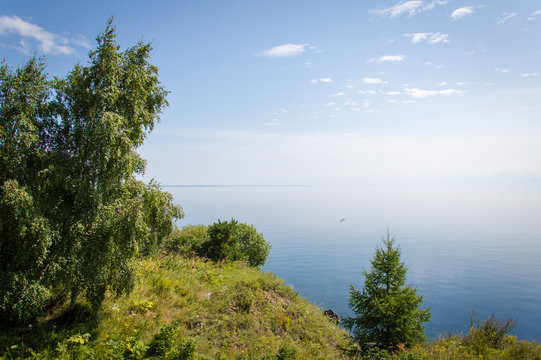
(318, 92)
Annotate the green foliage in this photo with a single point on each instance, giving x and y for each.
(286, 353)
(489, 333)
(187, 241)
(200, 318)
(235, 241)
(73, 214)
(185, 351)
(78, 339)
(387, 311)
(230, 241)
(162, 341)
(25, 239)
(143, 305)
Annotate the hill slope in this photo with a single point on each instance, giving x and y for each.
(187, 308)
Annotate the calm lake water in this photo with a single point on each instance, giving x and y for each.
(467, 246)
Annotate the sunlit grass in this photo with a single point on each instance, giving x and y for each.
(225, 310)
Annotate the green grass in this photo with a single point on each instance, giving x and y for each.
(186, 308)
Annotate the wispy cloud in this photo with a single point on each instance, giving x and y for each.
(461, 12)
(373, 81)
(504, 19)
(323, 80)
(47, 42)
(286, 50)
(421, 94)
(367, 92)
(410, 8)
(502, 70)
(431, 38)
(389, 58)
(529, 74)
(433, 4)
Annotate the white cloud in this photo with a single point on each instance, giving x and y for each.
(538, 12)
(443, 83)
(434, 3)
(367, 92)
(431, 38)
(340, 94)
(461, 12)
(529, 74)
(410, 7)
(48, 43)
(391, 58)
(373, 81)
(505, 71)
(421, 94)
(286, 50)
(323, 80)
(505, 18)
(392, 93)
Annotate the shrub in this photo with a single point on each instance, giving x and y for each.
(187, 241)
(235, 241)
(489, 333)
(186, 350)
(162, 341)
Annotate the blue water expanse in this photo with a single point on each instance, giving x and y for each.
(466, 246)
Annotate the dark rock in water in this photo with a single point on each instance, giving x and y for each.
(332, 315)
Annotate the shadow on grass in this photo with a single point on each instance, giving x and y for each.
(21, 340)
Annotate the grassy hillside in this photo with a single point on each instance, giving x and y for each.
(185, 308)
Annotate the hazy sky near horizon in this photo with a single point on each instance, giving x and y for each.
(318, 92)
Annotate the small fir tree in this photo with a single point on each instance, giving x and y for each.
(387, 312)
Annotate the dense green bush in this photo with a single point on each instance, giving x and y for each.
(235, 241)
(188, 240)
(223, 240)
(162, 341)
